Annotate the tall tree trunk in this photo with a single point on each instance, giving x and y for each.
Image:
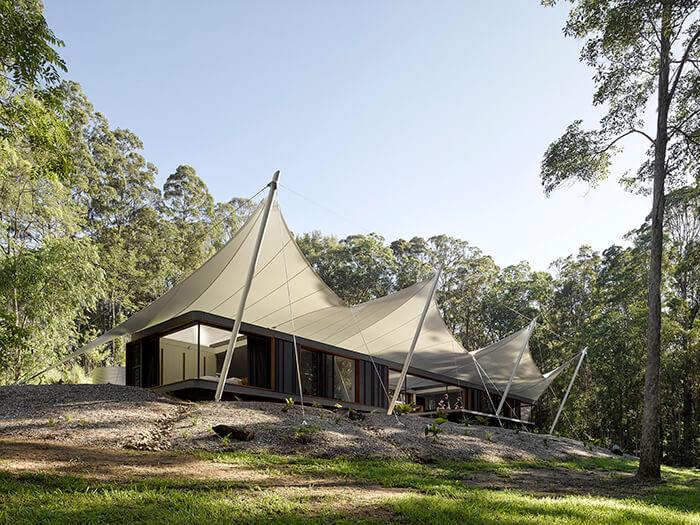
(650, 445)
(688, 440)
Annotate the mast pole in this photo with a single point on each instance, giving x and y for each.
(246, 288)
(568, 390)
(515, 368)
(407, 361)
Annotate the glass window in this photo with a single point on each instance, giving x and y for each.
(344, 379)
(239, 360)
(309, 372)
(178, 356)
(326, 375)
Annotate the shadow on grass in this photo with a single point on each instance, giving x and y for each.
(313, 490)
(42, 498)
(595, 477)
(62, 500)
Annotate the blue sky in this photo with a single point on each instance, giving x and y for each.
(402, 117)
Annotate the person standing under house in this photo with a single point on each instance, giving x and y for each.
(444, 403)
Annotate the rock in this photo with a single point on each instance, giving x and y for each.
(615, 449)
(237, 433)
(354, 415)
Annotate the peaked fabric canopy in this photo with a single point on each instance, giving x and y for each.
(289, 296)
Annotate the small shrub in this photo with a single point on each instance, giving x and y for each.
(466, 421)
(403, 408)
(288, 403)
(225, 440)
(51, 422)
(489, 437)
(441, 414)
(317, 405)
(305, 434)
(432, 431)
(482, 420)
(441, 420)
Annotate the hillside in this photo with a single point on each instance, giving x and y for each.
(128, 417)
(108, 454)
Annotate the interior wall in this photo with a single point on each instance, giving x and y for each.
(208, 360)
(172, 354)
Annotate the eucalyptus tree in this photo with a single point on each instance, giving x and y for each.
(116, 186)
(646, 55)
(228, 217)
(415, 260)
(188, 207)
(683, 365)
(465, 292)
(361, 267)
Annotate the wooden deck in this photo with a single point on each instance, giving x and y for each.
(455, 413)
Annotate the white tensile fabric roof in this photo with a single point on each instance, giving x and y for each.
(382, 327)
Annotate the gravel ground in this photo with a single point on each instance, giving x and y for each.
(128, 417)
(90, 415)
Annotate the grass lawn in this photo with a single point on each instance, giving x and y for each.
(302, 490)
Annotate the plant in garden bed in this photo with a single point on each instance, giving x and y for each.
(432, 431)
(435, 428)
(403, 408)
(305, 433)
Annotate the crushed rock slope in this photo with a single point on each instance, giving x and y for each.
(128, 417)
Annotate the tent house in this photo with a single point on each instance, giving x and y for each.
(297, 338)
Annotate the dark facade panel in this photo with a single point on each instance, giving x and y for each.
(285, 368)
(143, 363)
(133, 363)
(259, 361)
(150, 362)
(371, 390)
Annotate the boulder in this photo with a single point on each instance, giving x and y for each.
(237, 433)
(354, 415)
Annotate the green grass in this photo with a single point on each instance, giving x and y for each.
(438, 494)
(507, 507)
(34, 499)
(443, 478)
